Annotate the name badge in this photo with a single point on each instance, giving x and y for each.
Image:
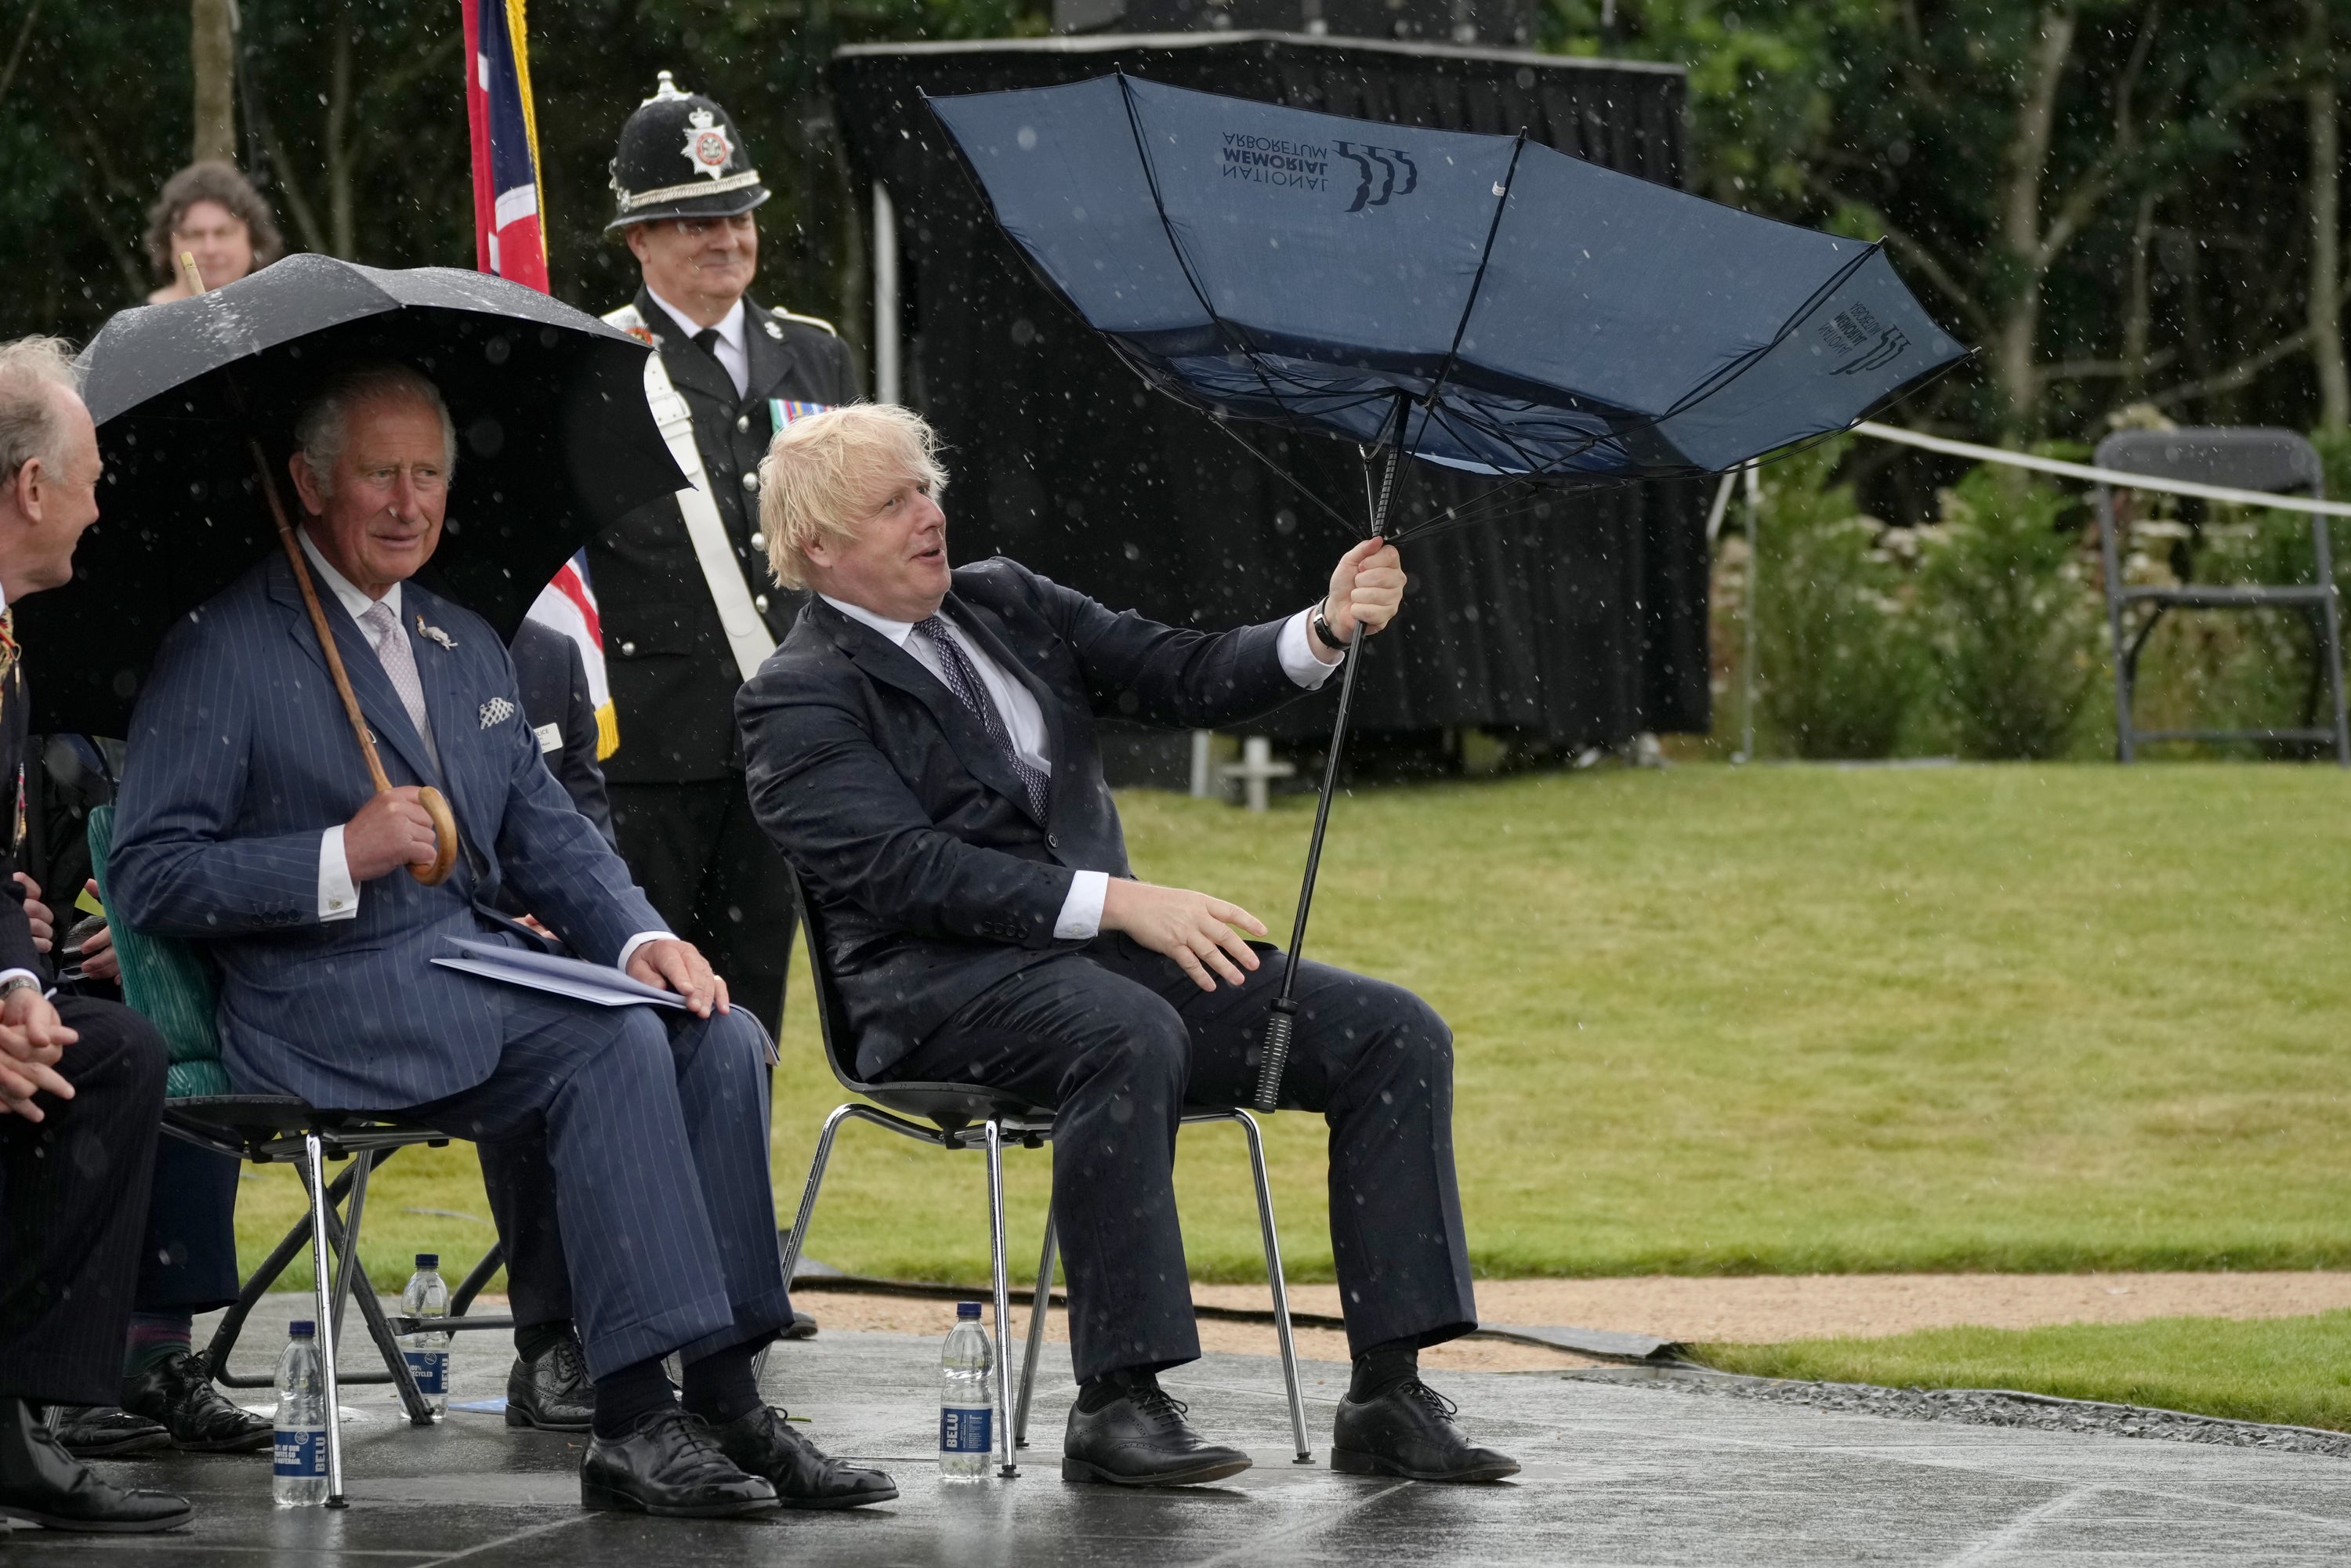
(551, 737)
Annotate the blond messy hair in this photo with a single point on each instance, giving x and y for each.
(825, 474)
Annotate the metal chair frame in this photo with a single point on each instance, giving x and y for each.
(268, 1129)
(2242, 457)
(945, 1115)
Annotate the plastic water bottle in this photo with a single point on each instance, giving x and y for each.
(428, 1350)
(299, 1473)
(966, 1399)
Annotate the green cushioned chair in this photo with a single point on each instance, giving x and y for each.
(174, 986)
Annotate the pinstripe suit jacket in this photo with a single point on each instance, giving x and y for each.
(241, 756)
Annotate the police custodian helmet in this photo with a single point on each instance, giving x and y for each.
(681, 157)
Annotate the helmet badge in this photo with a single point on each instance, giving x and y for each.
(706, 147)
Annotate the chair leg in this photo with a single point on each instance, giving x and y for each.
(1006, 1465)
(314, 1165)
(232, 1324)
(1039, 1306)
(793, 1243)
(478, 1279)
(1281, 1289)
(348, 1261)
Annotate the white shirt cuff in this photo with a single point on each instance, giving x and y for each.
(339, 897)
(1300, 660)
(8, 974)
(628, 948)
(1081, 918)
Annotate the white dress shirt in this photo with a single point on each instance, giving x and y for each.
(733, 349)
(338, 895)
(1024, 721)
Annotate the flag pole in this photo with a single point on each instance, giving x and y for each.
(1273, 1059)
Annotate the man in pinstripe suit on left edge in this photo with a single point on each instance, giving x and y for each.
(245, 820)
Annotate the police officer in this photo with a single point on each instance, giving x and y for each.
(688, 608)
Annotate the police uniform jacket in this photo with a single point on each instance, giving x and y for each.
(674, 678)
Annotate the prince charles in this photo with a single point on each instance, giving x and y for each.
(247, 823)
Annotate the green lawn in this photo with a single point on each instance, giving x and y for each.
(2295, 1370)
(1721, 1021)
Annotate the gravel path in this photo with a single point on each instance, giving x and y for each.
(1992, 1408)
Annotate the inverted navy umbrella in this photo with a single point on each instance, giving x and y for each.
(1484, 303)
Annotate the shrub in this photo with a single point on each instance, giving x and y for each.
(1839, 667)
(2013, 617)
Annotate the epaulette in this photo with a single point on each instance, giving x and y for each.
(819, 322)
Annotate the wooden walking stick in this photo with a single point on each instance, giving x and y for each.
(444, 821)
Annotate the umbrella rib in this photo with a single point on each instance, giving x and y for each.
(1175, 245)
(1470, 306)
(1283, 474)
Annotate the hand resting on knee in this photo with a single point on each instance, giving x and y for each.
(1193, 928)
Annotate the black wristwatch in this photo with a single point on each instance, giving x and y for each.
(1328, 639)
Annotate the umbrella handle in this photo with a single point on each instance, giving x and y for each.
(444, 821)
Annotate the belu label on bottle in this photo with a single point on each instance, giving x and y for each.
(301, 1453)
(430, 1368)
(965, 1428)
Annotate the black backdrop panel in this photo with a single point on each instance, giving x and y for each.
(1587, 625)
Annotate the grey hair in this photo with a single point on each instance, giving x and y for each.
(323, 428)
(29, 426)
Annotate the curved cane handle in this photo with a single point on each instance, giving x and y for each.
(445, 837)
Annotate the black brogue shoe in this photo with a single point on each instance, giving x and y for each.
(179, 1392)
(1141, 1439)
(763, 1444)
(669, 1467)
(1409, 1431)
(552, 1393)
(42, 1484)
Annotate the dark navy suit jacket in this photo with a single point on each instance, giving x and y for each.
(241, 756)
(935, 877)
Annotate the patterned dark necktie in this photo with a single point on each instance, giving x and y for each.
(963, 680)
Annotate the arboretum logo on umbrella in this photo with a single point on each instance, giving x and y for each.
(1853, 326)
(1394, 171)
(1275, 160)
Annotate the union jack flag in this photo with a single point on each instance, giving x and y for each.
(508, 240)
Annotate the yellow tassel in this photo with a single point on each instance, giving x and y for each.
(608, 731)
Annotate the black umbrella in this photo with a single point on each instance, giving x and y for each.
(554, 434)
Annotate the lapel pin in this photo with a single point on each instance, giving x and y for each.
(437, 635)
(773, 330)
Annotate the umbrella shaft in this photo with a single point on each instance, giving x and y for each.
(1323, 808)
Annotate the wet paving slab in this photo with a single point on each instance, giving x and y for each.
(1615, 1474)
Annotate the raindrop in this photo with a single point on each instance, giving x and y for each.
(1027, 139)
(498, 349)
(485, 435)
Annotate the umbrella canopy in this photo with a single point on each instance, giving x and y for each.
(1534, 314)
(555, 441)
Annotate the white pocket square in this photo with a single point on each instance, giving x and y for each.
(497, 710)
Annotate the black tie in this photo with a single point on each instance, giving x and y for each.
(708, 341)
(964, 681)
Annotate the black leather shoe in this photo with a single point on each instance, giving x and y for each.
(42, 1484)
(1141, 1439)
(802, 1326)
(669, 1468)
(1409, 1431)
(178, 1392)
(763, 1444)
(105, 1431)
(553, 1393)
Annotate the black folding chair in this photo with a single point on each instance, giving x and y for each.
(2239, 458)
(945, 1115)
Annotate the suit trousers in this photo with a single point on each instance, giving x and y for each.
(655, 1127)
(703, 860)
(73, 1209)
(1119, 1041)
(189, 1261)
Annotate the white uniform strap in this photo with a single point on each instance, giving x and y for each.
(746, 633)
